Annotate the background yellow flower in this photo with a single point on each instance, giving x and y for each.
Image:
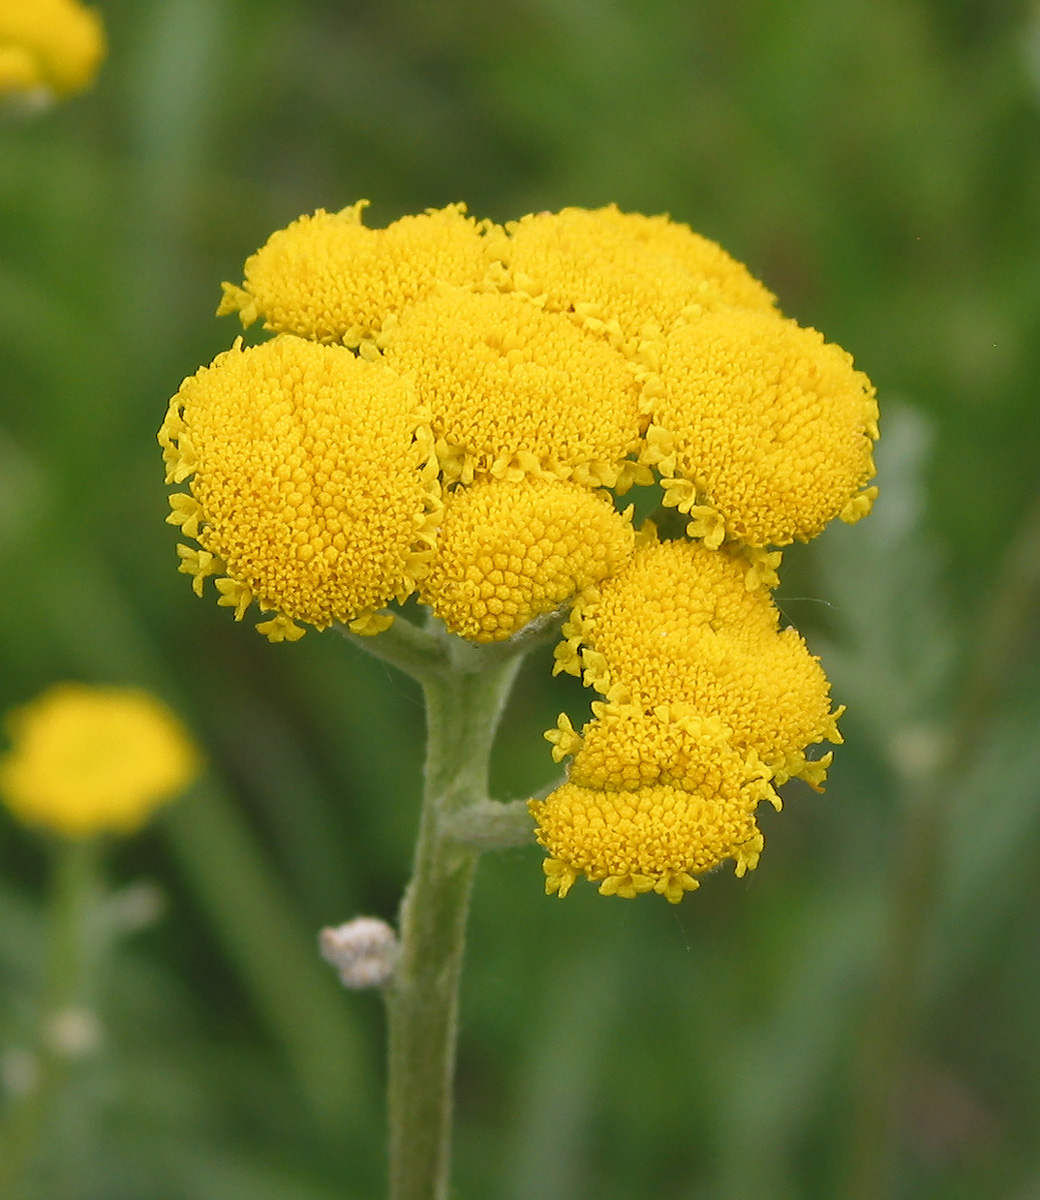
(87, 760)
(48, 45)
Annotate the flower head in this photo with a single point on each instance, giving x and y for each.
(623, 273)
(763, 425)
(312, 482)
(509, 551)
(444, 412)
(677, 626)
(49, 47)
(515, 390)
(329, 277)
(88, 760)
(654, 839)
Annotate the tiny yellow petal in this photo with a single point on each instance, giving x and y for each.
(281, 629)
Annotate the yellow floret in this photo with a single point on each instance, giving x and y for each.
(761, 431)
(677, 626)
(623, 274)
(517, 391)
(313, 483)
(329, 277)
(656, 838)
(87, 760)
(508, 552)
(54, 45)
(624, 748)
(705, 260)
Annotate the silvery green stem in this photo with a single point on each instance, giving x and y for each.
(463, 710)
(466, 688)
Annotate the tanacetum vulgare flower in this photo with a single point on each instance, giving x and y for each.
(449, 410)
(48, 47)
(86, 760)
(313, 489)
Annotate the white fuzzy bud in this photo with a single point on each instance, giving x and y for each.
(363, 951)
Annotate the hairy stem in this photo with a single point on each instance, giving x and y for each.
(464, 702)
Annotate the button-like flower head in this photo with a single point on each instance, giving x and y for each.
(678, 626)
(48, 47)
(771, 425)
(329, 277)
(90, 760)
(653, 839)
(313, 488)
(515, 390)
(621, 272)
(510, 551)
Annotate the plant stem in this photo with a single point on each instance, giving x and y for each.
(464, 702)
(71, 944)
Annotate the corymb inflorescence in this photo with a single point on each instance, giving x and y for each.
(449, 410)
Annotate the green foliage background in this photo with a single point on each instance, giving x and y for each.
(877, 163)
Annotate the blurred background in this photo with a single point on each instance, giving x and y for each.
(858, 1017)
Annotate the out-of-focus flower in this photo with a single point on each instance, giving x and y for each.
(449, 409)
(48, 47)
(87, 760)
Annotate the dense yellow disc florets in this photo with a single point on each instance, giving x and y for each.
(654, 839)
(678, 626)
(89, 760)
(771, 425)
(510, 551)
(313, 485)
(620, 273)
(518, 391)
(625, 747)
(50, 46)
(329, 277)
(705, 260)
(446, 409)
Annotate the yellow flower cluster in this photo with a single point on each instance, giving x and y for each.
(91, 760)
(708, 705)
(448, 408)
(48, 47)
